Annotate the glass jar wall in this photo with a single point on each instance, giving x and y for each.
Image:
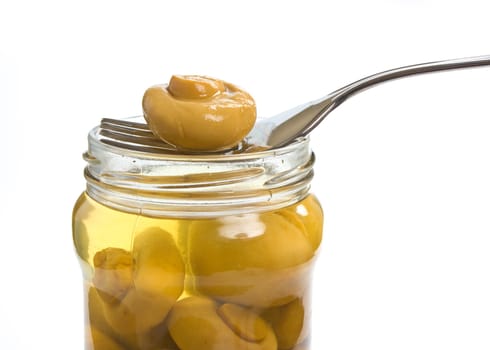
(187, 251)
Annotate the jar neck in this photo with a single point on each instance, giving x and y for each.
(168, 184)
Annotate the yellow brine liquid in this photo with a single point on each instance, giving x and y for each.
(234, 282)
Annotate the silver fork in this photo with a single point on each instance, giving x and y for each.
(284, 128)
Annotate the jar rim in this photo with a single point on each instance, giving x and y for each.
(124, 176)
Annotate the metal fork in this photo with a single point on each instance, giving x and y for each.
(285, 127)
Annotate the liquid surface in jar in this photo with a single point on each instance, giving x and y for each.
(166, 283)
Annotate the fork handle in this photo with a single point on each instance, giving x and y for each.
(285, 127)
(392, 74)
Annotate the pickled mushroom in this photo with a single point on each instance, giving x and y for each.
(101, 341)
(152, 339)
(199, 113)
(258, 260)
(139, 302)
(200, 323)
(287, 321)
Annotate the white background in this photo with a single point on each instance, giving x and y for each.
(402, 169)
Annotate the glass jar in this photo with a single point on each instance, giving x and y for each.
(193, 251)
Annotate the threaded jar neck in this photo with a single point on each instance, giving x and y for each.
(126, 174)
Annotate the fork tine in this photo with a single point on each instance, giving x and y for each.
(123, 125)
(123, 129)
(135, 143)
(132, 138)
(139, 147)
(132, 135)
